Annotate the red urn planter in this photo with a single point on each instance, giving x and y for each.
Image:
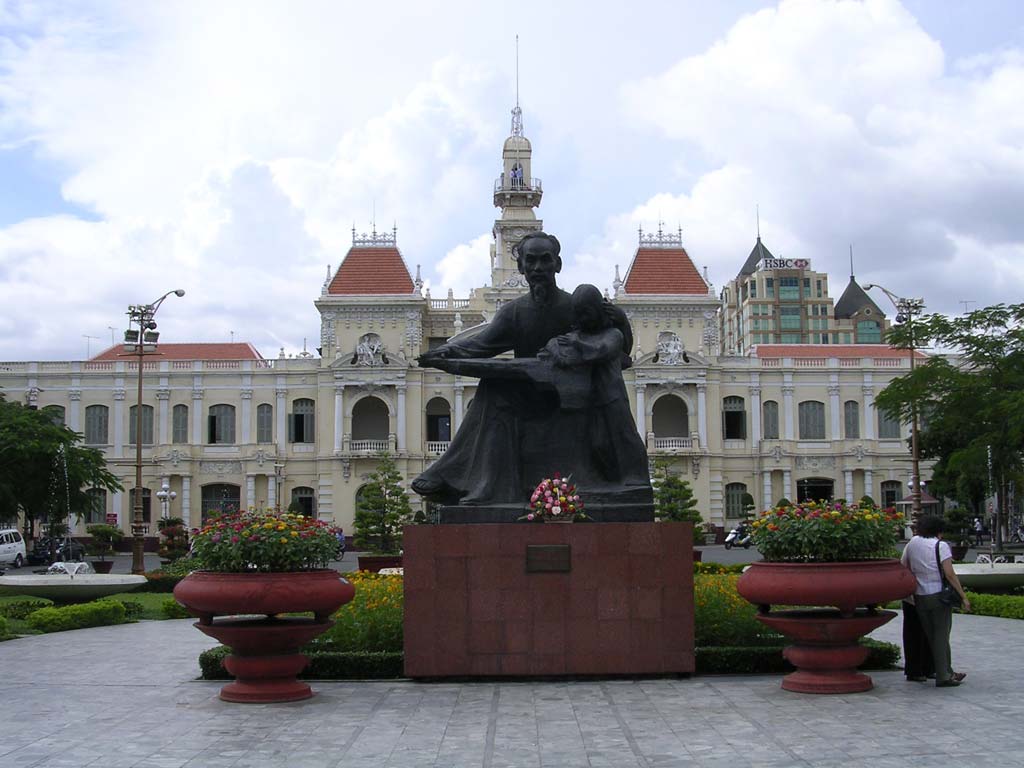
(826, 650)
(265, 654)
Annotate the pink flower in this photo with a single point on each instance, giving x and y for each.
(529, 516)
(215, 538)
(534, 497)
(548, 505)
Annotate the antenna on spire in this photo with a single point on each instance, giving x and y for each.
(851, 261)
(373, 220)
(757, 214)
(517, 113)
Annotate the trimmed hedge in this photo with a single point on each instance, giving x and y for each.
(99, 613)
(1001, 606)
(717, 569)
(172, 609)
(3, 628)
(20, 609)
(725, 660)
(323, 665)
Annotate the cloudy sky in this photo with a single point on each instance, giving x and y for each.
(228, 148)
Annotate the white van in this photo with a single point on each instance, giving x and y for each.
(12, 548)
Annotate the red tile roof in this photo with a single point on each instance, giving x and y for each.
(664, 270)
(372, 271)
(200, 351)
(830, 350)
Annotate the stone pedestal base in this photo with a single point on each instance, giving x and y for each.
(529, 599)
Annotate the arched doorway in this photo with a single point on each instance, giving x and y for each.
(305, 498)
(370, 419)
(814, 489)
(670, 418)
(439, 425)
(220, 498)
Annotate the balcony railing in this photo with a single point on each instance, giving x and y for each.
(671, 443)
(504, 184)
(370, 446)
(437, 447)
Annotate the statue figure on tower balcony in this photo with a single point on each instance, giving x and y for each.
(556, 407)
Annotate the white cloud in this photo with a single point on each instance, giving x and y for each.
(466, 266)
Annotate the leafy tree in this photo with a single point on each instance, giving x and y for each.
(34, 451)
(673, 496)
(381, 510)
(971, 404)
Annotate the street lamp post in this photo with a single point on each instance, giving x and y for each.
(906, 311)
(166, 496)
(139, 341)
(278, 479)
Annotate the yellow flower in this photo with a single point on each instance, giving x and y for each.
(284, 540)
(294, 534)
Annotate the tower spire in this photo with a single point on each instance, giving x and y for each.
(851, 261)
(757, 214)
(517, 113)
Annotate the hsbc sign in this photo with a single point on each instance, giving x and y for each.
(785, 264)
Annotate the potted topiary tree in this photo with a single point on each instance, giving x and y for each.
(102, 542)
(173, 539)
(381, 510)
(675, 501)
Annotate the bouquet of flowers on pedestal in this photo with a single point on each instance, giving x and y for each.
(555, 500)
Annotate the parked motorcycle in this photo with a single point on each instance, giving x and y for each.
(740, 536)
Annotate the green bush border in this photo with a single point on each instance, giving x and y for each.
(1000, 606)
(99, 613)
(724, 660)
(323, 665)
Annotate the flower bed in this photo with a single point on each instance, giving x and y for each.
(372, 621)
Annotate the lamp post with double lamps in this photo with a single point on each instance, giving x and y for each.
(906, 311)
(140, 340)
(166, 496)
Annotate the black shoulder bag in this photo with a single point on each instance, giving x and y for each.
(947, 595)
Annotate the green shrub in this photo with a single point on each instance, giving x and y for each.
(98, 613)
(20, 609)
(716, 569)
(133, 609)
(171, 609)
(166, 578)
(3, 628)
(723, 618)
(726, 660)
(372, 621)
(1001, 606)
(323, 664)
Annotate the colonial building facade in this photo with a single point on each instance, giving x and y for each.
(736, 406)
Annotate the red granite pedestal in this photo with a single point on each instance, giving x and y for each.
(495, 599)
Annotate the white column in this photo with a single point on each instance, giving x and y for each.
(787, 410)
(339, 415)
(848, 483)
(118, 441)
(457, 416)
(702, 413)
(271, 491)
(869, 484)
(869, 413)
(400, 427)
(197, 417)
(833, 404)
(74, 410)
(282, 430)
(186, 500)
(164, 436)
(641, 410)
(250, 490)
(766, 489)
(116, 505)
(787, 484)
(755, 416)
(246, 416)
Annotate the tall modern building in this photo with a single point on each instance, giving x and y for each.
(766, 389)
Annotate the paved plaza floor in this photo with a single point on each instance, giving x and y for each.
(128, 696)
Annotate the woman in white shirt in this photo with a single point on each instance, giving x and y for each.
(922, 556)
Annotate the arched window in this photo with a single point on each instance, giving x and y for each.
(814, 489)
(220, 498)
(439, 421)
(301, 425)
(221, 424)
(96, 424)
(770, 410)
(179, 424)
(97, 506)
(147, 503)
(305, 498)
(147, 424)
(734, 493)
(264, 423)
(670, 417)
(56, 413)
(851, 419)
(892, 491)
(370, 419)
(734, 418)
(812, 420)
(888, 429)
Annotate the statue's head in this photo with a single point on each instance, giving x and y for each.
(537, 256)
(588, 309)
